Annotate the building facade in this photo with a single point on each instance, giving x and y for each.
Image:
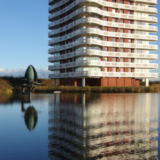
(102, 42)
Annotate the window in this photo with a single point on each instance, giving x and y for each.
(114, 49)
(122, 69)
(114, 1)
(129, 3)
(129, 69)
(121, 30)
(114, 59)
(106, 39)
(105, 19)
(122, 59)
(56, 71)
(114, 39)
(79, 59)
(129, 41)
(114, 29)
(121, 2)
(129, 50)
(121, 11)
(122, 21)
(56, 63)
(88, 69)
(122, 50)
(106, 59)
(129, 59)
(106, 49)
(106, 9)
(139, 42)
(129, 31)
(113, 20)
(140, 23)
(122, 40)
(129, 21)
(106, 69)
(106, 29)
(129, 12)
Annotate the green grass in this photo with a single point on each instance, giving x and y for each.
(140, 89)
(11, 84)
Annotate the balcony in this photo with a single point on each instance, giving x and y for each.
(145, 9)
(150, 2)
(92, 52)
(101, 23)
(89, 31)
(90, 41)
(57, 4)
(52, 2)
(96, 74)
(105, 13)
(103, 64)
(100, 2)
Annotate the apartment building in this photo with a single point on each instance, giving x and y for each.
(102, 42)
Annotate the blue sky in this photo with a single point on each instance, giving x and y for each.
(24, 35)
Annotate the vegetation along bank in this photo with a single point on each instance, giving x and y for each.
(11, 85)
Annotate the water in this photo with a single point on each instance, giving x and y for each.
(79, 126)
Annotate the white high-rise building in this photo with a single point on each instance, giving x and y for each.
(102, 42)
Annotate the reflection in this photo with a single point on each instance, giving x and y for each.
(17, 98)
(107, 126)
(30, 115)
(8, 98)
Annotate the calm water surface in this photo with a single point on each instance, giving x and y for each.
(79, 126)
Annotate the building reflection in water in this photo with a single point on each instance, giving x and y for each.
(105, 126)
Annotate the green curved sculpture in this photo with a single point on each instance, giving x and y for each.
(31, 75)
(30, 118)
(30, 80)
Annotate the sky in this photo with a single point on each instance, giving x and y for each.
(24, 37)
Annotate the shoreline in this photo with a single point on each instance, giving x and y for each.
(13, 85)
(71, 89)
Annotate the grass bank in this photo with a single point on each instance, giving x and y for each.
(140, 89)
(11, 85)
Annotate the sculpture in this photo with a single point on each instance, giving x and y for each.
(30, 81)
(31, 118)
